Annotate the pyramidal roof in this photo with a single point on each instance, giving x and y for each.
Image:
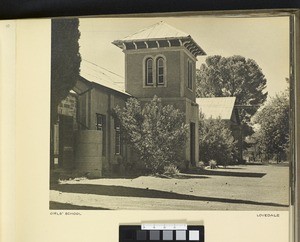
(159, 30)
(159, 35)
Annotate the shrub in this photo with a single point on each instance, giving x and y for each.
(272, 124)
(156, 132)
(200, 164)
(212, 164)
(215, 141)
(171, 170)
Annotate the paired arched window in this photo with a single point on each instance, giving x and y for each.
(155, 75)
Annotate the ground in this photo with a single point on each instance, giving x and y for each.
(247, 187)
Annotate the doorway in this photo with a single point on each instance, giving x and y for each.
(192, 143)
(66, 142)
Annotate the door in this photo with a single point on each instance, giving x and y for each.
(192, 143)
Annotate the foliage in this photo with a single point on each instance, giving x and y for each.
(65, 59)
(273, 126)
(233, 76)
(200, 164)
(156, 132)
(215, 141)
(171, 170)
(212, 164)
(65, 66)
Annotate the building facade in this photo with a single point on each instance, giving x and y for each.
(159, 61)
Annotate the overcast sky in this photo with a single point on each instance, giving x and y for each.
(266, 40)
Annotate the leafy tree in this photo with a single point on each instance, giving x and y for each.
(216, 141)
(273, 126)
(233, 76)
(155, 131)
(65, 63)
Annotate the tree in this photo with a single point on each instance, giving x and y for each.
(216, 141)
(156, 132)
(65, 64)
(233, 76)
(273, 126)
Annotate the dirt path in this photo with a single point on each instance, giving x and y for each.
(235, 188)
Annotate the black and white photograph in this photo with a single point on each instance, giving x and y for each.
(189, 112)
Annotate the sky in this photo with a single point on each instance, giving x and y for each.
(265, 40)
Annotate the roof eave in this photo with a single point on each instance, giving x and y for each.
(95, 85)
(200, 51)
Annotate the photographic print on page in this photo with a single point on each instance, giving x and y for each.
(170, 113)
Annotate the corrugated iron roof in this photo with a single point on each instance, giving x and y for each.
(94, 73)
(216, 107)
(159, 30)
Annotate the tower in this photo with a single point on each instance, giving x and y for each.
(161, 60)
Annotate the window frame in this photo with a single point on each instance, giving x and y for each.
(156, 59)
(158, 67)
(102, 127)
(99, 125)
(118, 138)
(190, 75)
(149, 71)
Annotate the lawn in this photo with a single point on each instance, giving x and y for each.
(255, 187)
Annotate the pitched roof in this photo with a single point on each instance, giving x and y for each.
(159, 30)
(216, 107)
(102, 76)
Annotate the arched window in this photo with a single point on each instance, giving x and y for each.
(149, 72)
(160, 71)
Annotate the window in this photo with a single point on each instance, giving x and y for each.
(99, 121)
(118, 143)
(149, 72)
(155, 71)
(160, 75)
(190, 75)
(100, 125)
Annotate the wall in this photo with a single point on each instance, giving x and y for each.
(89, 152)
(102, 100)
(186, 92)
(176, 73)
(192, 115)
(63, 133)
(134, 66)
(68, 106)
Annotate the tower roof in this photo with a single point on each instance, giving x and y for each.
(159, 35)
(157, 31)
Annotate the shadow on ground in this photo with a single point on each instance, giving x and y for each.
(183, 176)
(225, 173)
(122, 191)
(62, 206)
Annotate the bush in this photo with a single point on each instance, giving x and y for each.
(156, 132)
(216, 141)
(171, 170)
(212, 164)
(200, 164)
(272, 124)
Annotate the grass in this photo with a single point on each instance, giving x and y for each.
(263, 187)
